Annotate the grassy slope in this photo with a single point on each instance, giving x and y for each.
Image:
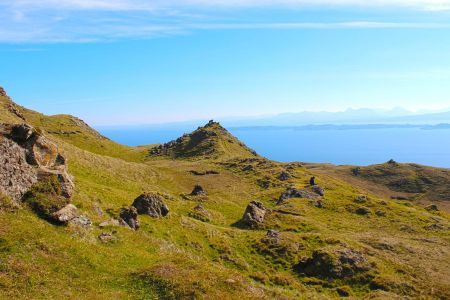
(421, 184)
(181, 256)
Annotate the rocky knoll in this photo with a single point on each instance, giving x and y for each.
(26, 157)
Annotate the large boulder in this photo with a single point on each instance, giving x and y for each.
(292, 192)
(151, 204)
(254, 214)
(130, 216)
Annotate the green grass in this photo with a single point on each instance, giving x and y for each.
(185, 256)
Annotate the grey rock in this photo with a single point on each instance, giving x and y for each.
(151, 204)
(65, 214)
(295, 193)
(198, 190)
(81, 221)
(130, 216)
(254, 214)
(318, 190)
(362, 210)
(284, 176)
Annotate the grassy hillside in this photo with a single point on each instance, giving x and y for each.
(394, 250)
(411, 182)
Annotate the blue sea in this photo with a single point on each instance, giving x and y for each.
(337, 146)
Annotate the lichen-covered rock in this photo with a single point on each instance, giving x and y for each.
(328, 263)
(296, 193)
(254, 214)
(81, 221)
(26, 157)
(130, 216)
(151, 204)
(16, 175)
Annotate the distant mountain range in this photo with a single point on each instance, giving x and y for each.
(349, 116)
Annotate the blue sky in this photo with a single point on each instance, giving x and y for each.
(135, 62)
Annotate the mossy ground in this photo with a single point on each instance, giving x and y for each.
(179, 256)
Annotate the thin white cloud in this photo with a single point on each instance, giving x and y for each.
(157, 4)
(58, 21)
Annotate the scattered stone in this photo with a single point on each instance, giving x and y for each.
(230, 281)
(111, 222)
(107, 237)
(295, 193)
(380, 213)
(254, 214)
(65, 214)
(318, 203)
(362, 210)
(435, 226)
(203, 173)
(273, 236)
(361, 199)
(344, 291)
(248, 168)
(432, 207)
(200, 213)
(129, 215)
(318, 190)
(151, 204)
(81, 221)
(334, 264)
(198, 191)
(284, 176)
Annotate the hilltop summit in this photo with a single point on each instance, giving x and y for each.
(211, 141)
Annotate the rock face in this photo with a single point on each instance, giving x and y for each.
(151, 204)
(26, 156)
(342, 263)
(295, 193)
(254, 214)
(198, 191)
(129, 215)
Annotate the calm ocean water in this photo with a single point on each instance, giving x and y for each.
(353, 146)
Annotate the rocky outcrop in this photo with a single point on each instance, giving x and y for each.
(296, 193)
(198, 191)
(318, 190)
(3, 92)
(254, 214)
(335, 264)
(26, 156)
(65, 214)
(284, 176)
(151, 204)
(130, 216)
